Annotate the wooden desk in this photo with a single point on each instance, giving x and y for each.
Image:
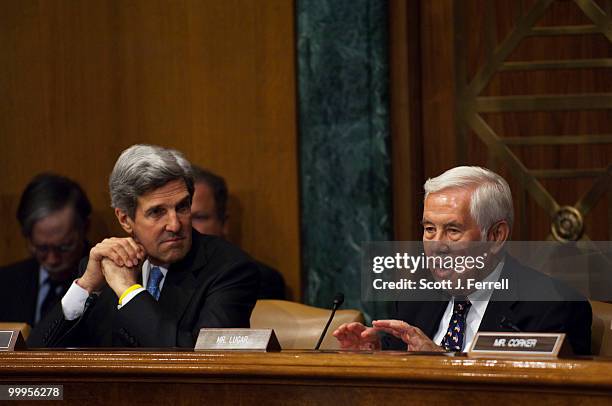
(121, 377)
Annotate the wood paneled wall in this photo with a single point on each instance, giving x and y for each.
(83, 80)
(559, 71)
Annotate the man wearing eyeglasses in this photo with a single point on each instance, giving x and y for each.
(53, 213)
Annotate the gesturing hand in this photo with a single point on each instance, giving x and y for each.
(411, 335)
(356, 336)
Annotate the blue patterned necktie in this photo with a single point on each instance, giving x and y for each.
(455, 335)
(155, 277)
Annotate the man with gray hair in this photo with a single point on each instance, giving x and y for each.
(467, 207)
(53, 213)
(162, 284)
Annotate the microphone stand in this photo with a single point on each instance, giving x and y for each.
(338, 300)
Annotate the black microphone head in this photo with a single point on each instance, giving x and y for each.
(338, 299)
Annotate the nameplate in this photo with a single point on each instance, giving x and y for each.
(548, 345)
(11, 339)
(237, 339)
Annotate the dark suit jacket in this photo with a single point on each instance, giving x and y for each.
(19, 291)
(569, 313)
(272, 284)
(215, 285)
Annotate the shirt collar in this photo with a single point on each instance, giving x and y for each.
(480, 298)
(146, 271)
(43, 275)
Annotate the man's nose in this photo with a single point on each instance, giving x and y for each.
(173, 225)
(53, 258)
(438, 244)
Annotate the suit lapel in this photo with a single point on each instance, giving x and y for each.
(180, 284)
(177, 291)
(430, 317)
(502, 302)
(426, 314)
(30, 293)
(496, 313)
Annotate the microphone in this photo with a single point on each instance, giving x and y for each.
(507, 323)
(338, 300)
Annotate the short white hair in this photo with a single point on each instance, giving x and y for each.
(491, 200)
(142, 168)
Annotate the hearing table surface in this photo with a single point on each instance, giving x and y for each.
(305, 377)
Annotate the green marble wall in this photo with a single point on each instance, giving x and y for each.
(344, 144)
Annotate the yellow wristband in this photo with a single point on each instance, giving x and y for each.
(128, 290)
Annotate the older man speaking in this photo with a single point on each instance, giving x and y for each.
(467, 207)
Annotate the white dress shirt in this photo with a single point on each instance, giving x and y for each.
(479, 300)
(73, 302)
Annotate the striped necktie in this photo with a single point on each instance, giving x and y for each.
(155, 277)
(455, 335)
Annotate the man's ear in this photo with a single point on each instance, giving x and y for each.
(498, 235)
(126, 222)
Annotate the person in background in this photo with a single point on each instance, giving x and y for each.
(209, 216)
(54, 214)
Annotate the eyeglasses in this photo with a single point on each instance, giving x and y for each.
(43, 250)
